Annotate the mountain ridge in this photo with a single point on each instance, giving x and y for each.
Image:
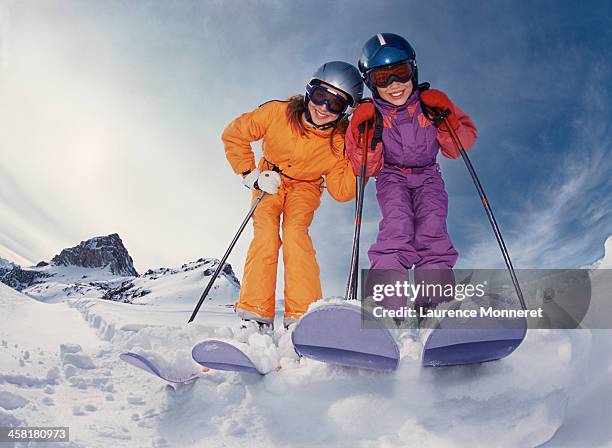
(101, 267)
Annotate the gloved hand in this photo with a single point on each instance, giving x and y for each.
(363, 112)
(249, 180)
(267, 181)
(436, 99)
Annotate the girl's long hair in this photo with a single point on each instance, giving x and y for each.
(295, 110)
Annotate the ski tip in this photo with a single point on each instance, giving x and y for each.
(335, 334)
(216, 354)
(151, 367)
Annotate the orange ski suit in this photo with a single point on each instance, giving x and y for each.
(305, 162)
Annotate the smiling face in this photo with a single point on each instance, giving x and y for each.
(320, 115)
(396, 93)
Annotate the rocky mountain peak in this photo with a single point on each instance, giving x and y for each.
(5, 264)
(99, 252)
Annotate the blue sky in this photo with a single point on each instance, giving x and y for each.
(111, 113)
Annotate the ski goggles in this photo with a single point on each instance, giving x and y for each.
(335, 102)
(383, 76)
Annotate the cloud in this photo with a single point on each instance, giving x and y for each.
(563, 221)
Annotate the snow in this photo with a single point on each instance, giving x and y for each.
(78, 360)
(10, 401)
(70, 281)
(346, 406)
(172, 288)
(59, 366)
(181, 287)
(606, 261)
(587, 422)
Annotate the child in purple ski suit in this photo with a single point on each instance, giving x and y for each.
(410, 189)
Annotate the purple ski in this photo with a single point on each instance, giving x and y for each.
(338, 334)
(563, 295)
(221, 355)
(470, 341)
(154, 367)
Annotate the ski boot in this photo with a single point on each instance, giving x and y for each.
(263, 326)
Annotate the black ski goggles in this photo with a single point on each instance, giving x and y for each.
(384, 76)
(335, 102)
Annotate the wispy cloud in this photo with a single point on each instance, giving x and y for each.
(565, 220)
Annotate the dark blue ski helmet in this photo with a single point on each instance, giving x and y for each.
(386, 49)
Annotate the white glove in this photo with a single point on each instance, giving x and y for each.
(267, 181)
(250, 179)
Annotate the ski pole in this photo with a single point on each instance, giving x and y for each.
(227, 253)
(485, 202)
(351, 286)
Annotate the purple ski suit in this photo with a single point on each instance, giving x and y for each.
(411, 194)
(410, 189)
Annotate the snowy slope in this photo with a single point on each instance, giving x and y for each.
(182, 287)
(588, 417)
(39, 386)
(63, 282)
(175, 287)
(306, 403)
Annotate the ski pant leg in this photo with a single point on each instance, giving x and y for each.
(431, 241)
(436, 254)
(302, 274)
(394, 246)
(257, 293)
(393, 253)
